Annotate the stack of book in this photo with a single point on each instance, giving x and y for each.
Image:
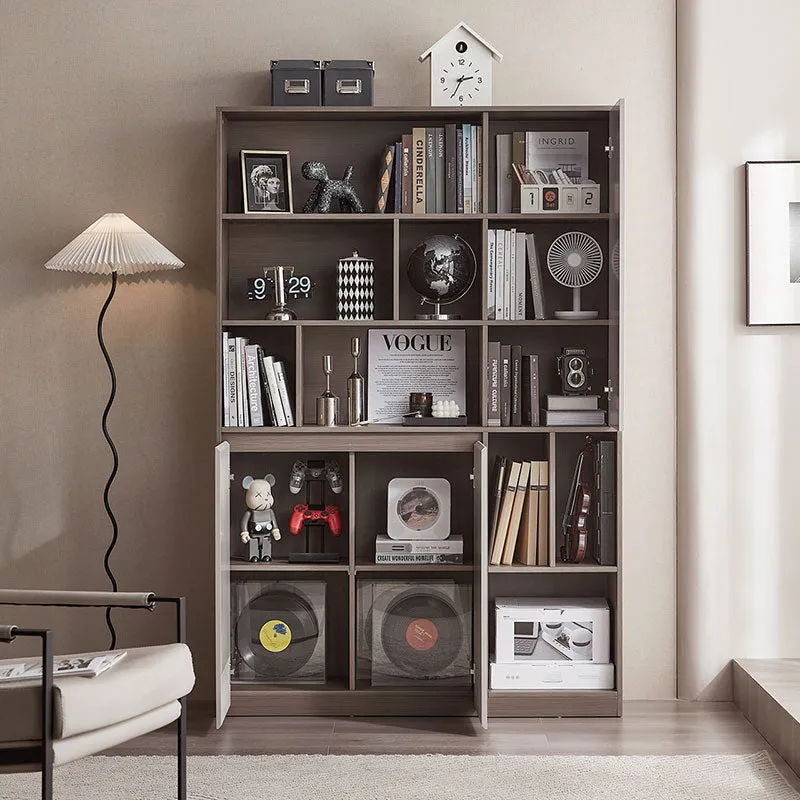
(419, 551)
(518, 520)
(513, 386)
(505, 278)
(255, 391)
(581, 409)
(433, 171)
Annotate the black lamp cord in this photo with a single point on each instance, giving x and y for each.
(113, 453)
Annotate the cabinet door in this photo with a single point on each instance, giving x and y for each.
(616, 242)
(222, 582)
(480, 635)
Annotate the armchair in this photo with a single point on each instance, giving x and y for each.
(66, 718)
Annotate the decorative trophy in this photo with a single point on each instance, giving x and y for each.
(327, 402)
(355, 387)
(281, 311)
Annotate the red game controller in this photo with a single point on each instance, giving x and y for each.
(302, 514)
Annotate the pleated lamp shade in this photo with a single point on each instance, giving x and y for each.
(114, 243)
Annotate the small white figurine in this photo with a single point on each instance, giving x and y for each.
(259, 523)
(445, 408)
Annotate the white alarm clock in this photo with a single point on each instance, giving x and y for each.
(461, 68)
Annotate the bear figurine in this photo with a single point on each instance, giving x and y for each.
(259, 525)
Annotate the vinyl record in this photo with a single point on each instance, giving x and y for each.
(276, 633)
(421, 634)
(419, 508)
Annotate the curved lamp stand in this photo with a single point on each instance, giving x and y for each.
(113, 449)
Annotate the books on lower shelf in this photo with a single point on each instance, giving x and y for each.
(578, 410)
(512, 262)
(86, 665)
(512, 386)
(435, 170)
(255, 390)
(419, 551)
(519, 512)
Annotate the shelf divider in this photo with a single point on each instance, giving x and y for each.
(298, 376)
(396, 269)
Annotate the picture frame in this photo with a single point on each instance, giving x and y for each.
(772, 196)
(266, 182)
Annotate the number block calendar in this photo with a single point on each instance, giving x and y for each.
(579, 198)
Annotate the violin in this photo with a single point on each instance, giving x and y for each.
(575, 522)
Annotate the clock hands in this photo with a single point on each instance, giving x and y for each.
(459, 82)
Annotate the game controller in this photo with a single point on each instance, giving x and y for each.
(303, 471)
(302, 514)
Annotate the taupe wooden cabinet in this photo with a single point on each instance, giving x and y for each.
(372, 455)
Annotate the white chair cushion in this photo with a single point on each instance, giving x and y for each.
(146, 679)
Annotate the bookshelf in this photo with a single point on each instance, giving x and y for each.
(371, 455)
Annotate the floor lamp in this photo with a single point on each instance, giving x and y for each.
(113, 245)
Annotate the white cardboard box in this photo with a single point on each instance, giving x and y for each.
(555, 630)
(564, 676)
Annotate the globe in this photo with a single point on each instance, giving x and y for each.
(442, 269)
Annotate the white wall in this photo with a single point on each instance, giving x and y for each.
(739, 592)
(109, 106)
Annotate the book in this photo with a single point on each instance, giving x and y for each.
(242, 417)
(493, 384)
(467, 160)
(430, 170)
(542, 527)
(87, 665)
(519, 280)
(459, 169)
(500, 273)
(530, 390)
(475, 139)
(406, 203)
(253, 386)
(452, 545)
(397, 179)
(574, 402)
(496, 488)
(440, 171)
(564, 151)
(269, 409)
(231, 383)
(503, 174)
(490, 274)
(516, 514)
(283, 391)
(418, 171)
(504, 517)
(516, 385)
(274, 394)
(604, 542)
(508, 272)
(534, 270)
(451, 177)
(517, 157)
(505, 385)
(574, 417)
(226, 410)
(384, 178)
(419, 558)
(527, 550)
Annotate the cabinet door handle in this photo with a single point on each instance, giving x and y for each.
(348, 86)
(297, 86)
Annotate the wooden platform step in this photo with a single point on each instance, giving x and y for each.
(767, 691)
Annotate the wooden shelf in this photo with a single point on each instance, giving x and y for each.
(413, 323)
(371, 217)
(364, 567)
(544, 703)
(366, 430)
(283, 565)
(571, 568)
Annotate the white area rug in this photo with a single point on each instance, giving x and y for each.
(749, 777)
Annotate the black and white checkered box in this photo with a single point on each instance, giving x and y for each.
(355, 288)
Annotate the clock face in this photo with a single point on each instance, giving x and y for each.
(461, 82)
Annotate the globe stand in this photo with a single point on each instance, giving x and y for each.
(437, 313)
(577, 312)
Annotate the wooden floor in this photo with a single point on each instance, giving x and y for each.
(647, 728)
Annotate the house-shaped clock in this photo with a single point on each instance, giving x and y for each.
(461, 68)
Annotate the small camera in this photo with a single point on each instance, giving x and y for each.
(574, 370)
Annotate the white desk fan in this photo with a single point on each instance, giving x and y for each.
(575, 260)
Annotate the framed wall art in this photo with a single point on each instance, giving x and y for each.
(772, 190)
(266, 182)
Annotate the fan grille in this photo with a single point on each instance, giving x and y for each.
(575, 259)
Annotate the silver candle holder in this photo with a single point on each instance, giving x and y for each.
(356, 411)
(327, 402)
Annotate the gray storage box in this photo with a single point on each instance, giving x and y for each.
(296, 82)
(348, 83)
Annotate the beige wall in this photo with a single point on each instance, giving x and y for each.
(738, 533)
(110, 107)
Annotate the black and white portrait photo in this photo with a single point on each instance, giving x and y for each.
(266, 182)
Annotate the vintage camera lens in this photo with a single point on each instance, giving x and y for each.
(575, 363)
(575, 379)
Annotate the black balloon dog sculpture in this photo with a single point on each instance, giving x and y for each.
(329, 189)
